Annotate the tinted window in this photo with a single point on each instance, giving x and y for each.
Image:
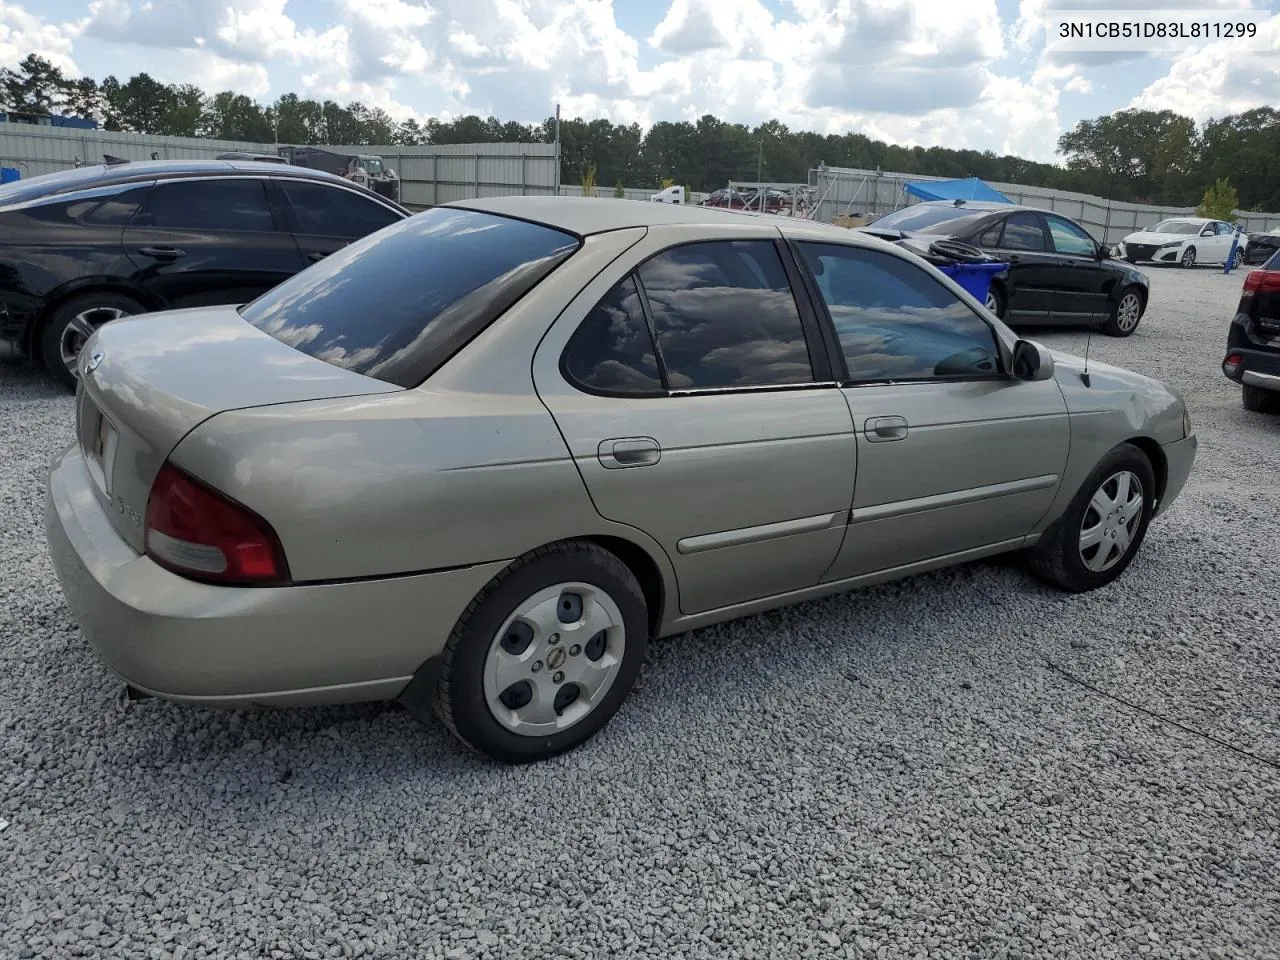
(1068, 238)
(208, 205)
(938, 218)
(109, 207)
(725, 316)
(612, 350)
(398, 303)
(1022, 231)
(991, 236)
(335, 212)
(897, 322)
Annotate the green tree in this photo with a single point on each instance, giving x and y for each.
(82, 98)
(619, 191)
(588, 181)
(233, 116)
(1220, 201)
(141, 104)
(37, 86)
(186, 110)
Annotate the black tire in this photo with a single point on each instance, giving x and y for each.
(1113, 327)
(460, 698)
(996, 293)
(1259, 400)
(1057, 558)
(104, 304)
(1237, 259)
(1188, 259)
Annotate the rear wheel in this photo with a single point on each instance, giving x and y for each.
(995, 300)
(74, 322)
(545, 655)
(1258, 400)
(1189, 257)
(1097, 537)
(1125, 314)
(1237, 258)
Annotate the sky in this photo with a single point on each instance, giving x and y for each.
(955, 73)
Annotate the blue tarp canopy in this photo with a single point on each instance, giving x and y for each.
(970, 189)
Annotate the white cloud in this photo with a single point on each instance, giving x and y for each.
(1218, 79)
(1079, 85)
(22, 33)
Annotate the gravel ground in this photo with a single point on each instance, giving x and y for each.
(894, 773)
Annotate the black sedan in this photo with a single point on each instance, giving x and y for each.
(81, 247)
(1057, 274)
(1262, 246)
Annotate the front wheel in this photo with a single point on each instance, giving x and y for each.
(1189, 258)
(1095, 540)
(1125, 314)
(545, 655)
(73, 323)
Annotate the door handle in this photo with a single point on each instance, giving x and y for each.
(316, 256)
(629, 452)
(884, 429)
(162, 253)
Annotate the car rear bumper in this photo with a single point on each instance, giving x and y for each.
(1258, 368)
(1178, 458)
(241, 646)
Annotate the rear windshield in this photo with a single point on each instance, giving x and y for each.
(398, 303)
(31, 188)
(1177, 226)
(920, 216)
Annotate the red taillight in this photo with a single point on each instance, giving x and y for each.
(1262, 281)
(1231, 364)
(197, 532)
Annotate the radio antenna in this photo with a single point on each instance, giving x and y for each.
(1084, 375)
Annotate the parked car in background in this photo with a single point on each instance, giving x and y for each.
(1058, 274)
(245, 155)
(479, 459)
(1186, 241)
(726, 198)
(1262, 246)
(1253, 340)
(82, 247)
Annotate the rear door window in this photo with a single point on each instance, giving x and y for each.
(398, 303)
(325, 211)
(725, 316)
(612, 351)
(1023, 231)
(219, 205)
(1068, 238)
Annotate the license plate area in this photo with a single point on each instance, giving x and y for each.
(100, 449)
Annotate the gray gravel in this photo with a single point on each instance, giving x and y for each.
(893, 773)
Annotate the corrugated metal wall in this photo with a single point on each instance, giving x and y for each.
(843, 190)
(429, 174)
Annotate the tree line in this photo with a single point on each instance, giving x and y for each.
(1143, 156)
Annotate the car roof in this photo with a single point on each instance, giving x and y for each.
(587, 215)
(110, 174)
(982, 206)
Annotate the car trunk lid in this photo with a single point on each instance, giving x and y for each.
(147, 381)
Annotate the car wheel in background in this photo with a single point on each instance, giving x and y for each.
(545, 655)
(1258, 400)
(1098, 536)
(1189, 257)
(995, 300)
(72, 323)
(1125, 315)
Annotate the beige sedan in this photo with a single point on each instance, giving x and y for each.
(478, 459)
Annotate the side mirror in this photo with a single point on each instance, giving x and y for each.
(1100, 251)
(1031, 361)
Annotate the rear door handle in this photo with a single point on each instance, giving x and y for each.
(162, 253)
(629, 452)
(884, 429)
